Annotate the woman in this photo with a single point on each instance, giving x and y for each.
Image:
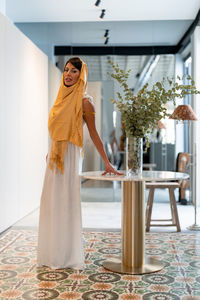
(60, 229)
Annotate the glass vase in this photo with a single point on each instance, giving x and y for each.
(134, 155)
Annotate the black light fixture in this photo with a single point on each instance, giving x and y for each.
(106, 41)
(106, 33)
(97, 3)
(137, 75)
(102, 14)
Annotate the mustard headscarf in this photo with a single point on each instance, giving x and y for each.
(66, 121)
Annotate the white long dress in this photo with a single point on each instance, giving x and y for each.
(60, 243)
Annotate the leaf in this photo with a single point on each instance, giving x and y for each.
(159, 85)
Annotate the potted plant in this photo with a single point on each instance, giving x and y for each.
(140, 113)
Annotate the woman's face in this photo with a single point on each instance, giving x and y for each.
(70, 75)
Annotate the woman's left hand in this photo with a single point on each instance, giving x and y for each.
(109, 169)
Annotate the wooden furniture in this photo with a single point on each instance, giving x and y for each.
(174, 221)
(133, 259)
(183, 165)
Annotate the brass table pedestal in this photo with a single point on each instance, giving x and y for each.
(133, 260)
(150, 265)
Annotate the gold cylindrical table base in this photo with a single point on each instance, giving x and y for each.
(133, 260)
(150, 265)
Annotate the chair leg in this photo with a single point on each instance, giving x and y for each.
(149, 208)
(171, 190)
(174, 211)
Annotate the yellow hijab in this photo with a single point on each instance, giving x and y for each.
(66, 121)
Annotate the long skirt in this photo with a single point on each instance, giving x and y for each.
(60, 243)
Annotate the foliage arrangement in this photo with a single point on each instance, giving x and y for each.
(140, 113)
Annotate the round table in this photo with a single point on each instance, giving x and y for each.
(133, 259)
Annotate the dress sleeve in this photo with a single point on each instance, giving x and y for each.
(92, 102)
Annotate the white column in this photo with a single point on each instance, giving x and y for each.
(196, 105)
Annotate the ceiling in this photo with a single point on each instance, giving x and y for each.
(50, 23)
(76, 22)
(84, 10)
(124, 33)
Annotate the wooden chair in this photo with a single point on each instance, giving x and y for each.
(174, 221)
(183, 165)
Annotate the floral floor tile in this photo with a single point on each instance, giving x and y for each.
(21, 279)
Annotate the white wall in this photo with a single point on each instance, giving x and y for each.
(54, 78)
(23, 123)
(3, 7)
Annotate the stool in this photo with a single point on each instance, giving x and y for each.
(174, 213)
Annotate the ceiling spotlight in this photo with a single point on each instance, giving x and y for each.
(106, 41)
(137, 75)
(97, 3)
(106, 33)
(102, 13)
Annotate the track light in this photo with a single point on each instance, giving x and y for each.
(106, 33)
(106, 41)
(97, 3)
(137, 75)
(102, 14)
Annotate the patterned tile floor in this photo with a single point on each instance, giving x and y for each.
(20, 278)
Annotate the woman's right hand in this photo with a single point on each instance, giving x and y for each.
(109, 169)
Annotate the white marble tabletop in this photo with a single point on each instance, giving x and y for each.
(146, 176)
